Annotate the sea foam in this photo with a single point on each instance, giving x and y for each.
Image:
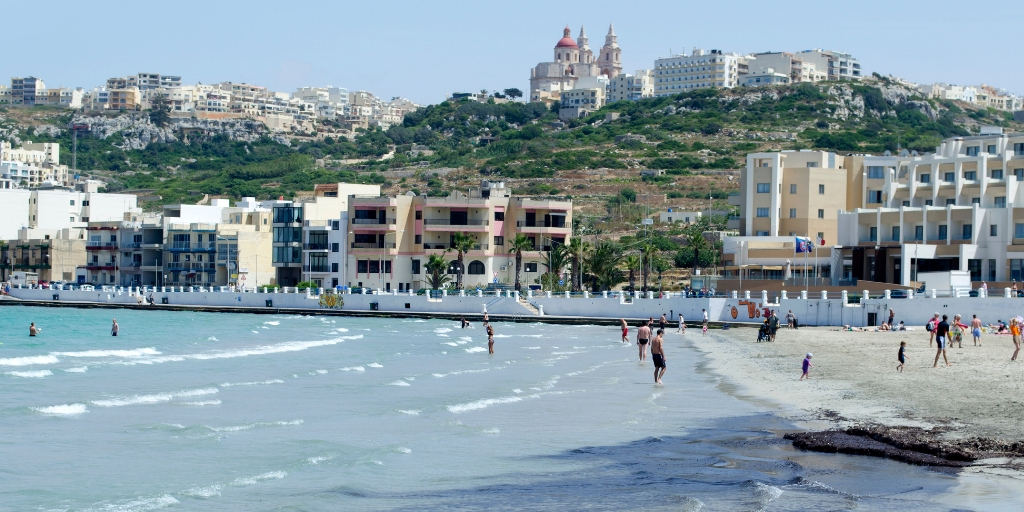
(255, 383)
(29, 360)
(33, 374)
(138, 352)
(252, 480)
(63, 410)
(153, 398)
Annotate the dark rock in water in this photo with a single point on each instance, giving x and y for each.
(912, 445)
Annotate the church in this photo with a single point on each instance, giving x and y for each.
(575, 66)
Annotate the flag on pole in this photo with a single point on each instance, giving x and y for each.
(803, 245)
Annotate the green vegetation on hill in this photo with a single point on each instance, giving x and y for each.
(682, 134)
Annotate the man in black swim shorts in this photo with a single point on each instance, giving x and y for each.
(643, 335)
(658, 355)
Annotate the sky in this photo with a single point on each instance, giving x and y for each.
(425, 50)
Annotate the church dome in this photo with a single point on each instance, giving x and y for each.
(566, 41)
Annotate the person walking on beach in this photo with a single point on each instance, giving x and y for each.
(1015, 329)
(892, 318)
(643, 335)
(789, 319)
(33, 330)
(705, 312)
(625, 331)
(658, 355)
(976, 330)
(773, 326)
(807, 367)
(956, 332)
(114, 328)
(902, 356)
(931, 326)
(941, 333)
(490, 339)
(682, 324)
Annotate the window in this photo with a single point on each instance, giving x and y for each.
(873, 234)
(761, 233)
(1018, 148)
(335, 247)
(821, 189)
(895, 233)
(970, 175)
(84, 219)
(530, 267)
(993, 230)
(976, 200)
(1000, 202)
(950, 202)
(972, 151)
(334, 267)
(821, 213)
(1018, 230)
(874, 196)
(974, 266)
(762, 212)
(991, 149)
(72, 202)
(85, 203)
(968, 231)
(499, 240)
(418, 239)
(792, 213)
(925, 178)
(812, 164)
(419, 214)
(918, 232)
(335, 225)
(997, 174)
(949, 177)
(943, 231)
(1019, 173)
(792, 187)
(906, 203)
(764, 188)
(416, 267)
(875, 172)
(991, 270)
(476, 268)
(499, 216)
(928, 202)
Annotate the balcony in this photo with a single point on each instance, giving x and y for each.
(317, 269)
(95, 265)
(373, 222)
(316, 246)
(444, 246)
(372, 245)
(100, 246)
(131, 245)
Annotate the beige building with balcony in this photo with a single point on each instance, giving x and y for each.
(392, 238)
(960, 208)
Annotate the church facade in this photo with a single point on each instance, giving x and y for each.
(575, 64)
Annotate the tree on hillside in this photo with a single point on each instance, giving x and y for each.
(513, 93)
(160, 110)
(519, 244)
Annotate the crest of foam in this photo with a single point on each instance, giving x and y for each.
(398, 383)
(29, 360)
(259, 383)
(63, 410)
(33, 374)
(153, 398)
(253, 480)
(138, 352)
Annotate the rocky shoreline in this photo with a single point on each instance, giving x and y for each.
(912, 445)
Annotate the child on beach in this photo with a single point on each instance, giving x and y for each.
(705, 328)
(902, 356)
(807, 367)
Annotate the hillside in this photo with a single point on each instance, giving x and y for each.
(699, 138)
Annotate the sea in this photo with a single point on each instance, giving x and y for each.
(227, 412)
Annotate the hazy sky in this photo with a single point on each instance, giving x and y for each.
(423, 50)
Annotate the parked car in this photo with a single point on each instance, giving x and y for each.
(899, 294)
(87, 288)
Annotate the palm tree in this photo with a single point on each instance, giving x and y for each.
(555, 261)
(462, 243)
(436, 271)
(632, 265)
(646, 254)
(604, 262)
(577, 248)
(519, 244)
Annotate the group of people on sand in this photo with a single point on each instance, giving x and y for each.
(945, 333)
(646, 334)
(489, 329)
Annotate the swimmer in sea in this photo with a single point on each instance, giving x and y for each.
(33, 330)
(658, 355)
(114, 328)
(490, 339)
(643, 335)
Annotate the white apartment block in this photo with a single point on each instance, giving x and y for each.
(767, 76)
(144, 81)
(31, 165)
(58, 209)
(578, 103)
(680, 73)
(835, 65)
(25, 89)
(788, 64)
(961, 208)
(631, 87)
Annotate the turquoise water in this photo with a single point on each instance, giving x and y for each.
(202, 411)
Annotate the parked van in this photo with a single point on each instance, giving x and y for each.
(24, 278)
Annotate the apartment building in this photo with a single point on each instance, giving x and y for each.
(960, 208)
(633, 87)
(308, 237)
(784, 63)
(795, 193)
(128, 98)
(52, 254)
(392, 238)
(24, 90)
(578, 103)
(763, 77)
(144, 81)
(58, 209)
(679, 73)
(835, 65)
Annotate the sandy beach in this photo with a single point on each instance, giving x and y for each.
(854, 379)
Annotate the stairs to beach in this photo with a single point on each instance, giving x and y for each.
(529, 307)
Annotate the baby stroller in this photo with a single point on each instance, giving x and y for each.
(762, 333)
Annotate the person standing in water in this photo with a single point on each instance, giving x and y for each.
(33, 330)
(490, 339)
(625, 330)
(661, 322)
(114, 328)
(682, 324)
(643, 335)
(658, 355)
